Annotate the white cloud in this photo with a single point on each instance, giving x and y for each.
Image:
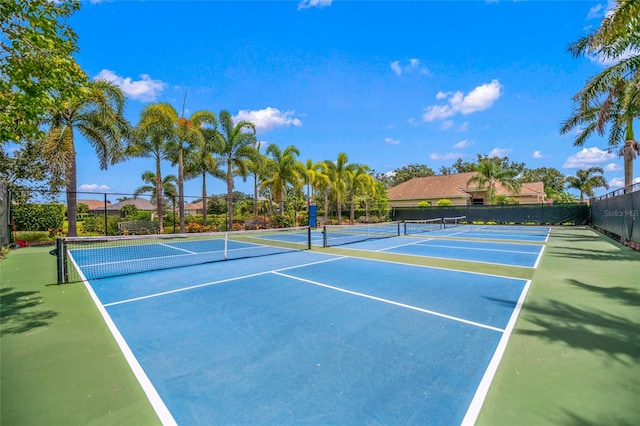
(465, 143)
(268, 118)
(619, 182)
(499, 152)
(392, 141)
(446, 124)
(413, 66)
(146, 89)
(612, 167)
(537, 154)
(93, 187)
(395, 66)
(587, 157)
(479, 99)
(447, 156)
(596, 12)
(307, 4)
(464, 127)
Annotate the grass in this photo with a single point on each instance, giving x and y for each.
(572, 359)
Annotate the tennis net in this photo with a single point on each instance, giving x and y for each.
(102, 257)
(336, 235)
(451, 222)
(421, 226)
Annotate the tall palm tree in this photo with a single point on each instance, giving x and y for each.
(360, 184)
(256, 166)
(98, 114)
(154, 133)
(586, 181)
(200, 162)
(190, 134)
(168, 186)
(612, 113)
(234, 147)
(614, 93)
(338, 173)
(315, 173)
(283, 169)
(490, 172)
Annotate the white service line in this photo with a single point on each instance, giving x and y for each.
(391, 302)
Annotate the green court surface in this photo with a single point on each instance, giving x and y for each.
(573, 358)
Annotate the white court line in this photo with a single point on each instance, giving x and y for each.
(391, 302)
(535, 265)
(178, 248)
(480, 249)
(404, 245)
(150, 391)
(179, 290)
(483, 388)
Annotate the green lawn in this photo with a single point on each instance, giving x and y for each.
(573, 359)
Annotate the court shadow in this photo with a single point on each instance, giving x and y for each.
(19, 311)
(594, 255)
(593, 330)
(626, 295)
(573, 419)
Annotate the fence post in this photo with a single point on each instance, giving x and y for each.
(106, 221)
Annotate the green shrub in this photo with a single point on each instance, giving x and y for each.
(38, 217)
(444, 202)
(424, 204)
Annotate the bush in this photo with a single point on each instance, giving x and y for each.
(95, 225)
(38, 217)
(424, 204)
(444, 202)
(282, 221)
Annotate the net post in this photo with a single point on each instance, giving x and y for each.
(398, 229)
(60, 260)
(324, 236)
(309, 238)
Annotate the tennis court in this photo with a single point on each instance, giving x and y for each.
(310, 337)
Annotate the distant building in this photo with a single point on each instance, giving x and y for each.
(455, 188)
(194, 208)
(116, 209)
(95, 206)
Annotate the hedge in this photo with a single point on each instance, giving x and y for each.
(38, 217)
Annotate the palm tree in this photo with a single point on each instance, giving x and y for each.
(613, 95)
(200, 162)
(168, 187)
(338, 174)
(490, 172)
(283, 169)
(256, 167)
(234, 147)
(315, 173)
(153, 135)
(586, 181)
(189, 132)
(362, 184)
(613, 112)
(98, 114)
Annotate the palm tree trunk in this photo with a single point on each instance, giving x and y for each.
(326, 207)
(229, 196)
(352, 210)
(204, 198)
(629, 154)
(255, 195)
(181, 188)
(159, 200)
(72, 200)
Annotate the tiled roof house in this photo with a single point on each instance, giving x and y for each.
(455, 188)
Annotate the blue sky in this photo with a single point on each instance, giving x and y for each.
(390, 83)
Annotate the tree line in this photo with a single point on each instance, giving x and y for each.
(46, 99)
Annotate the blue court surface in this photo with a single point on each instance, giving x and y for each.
(499, 253)
(311, 338)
